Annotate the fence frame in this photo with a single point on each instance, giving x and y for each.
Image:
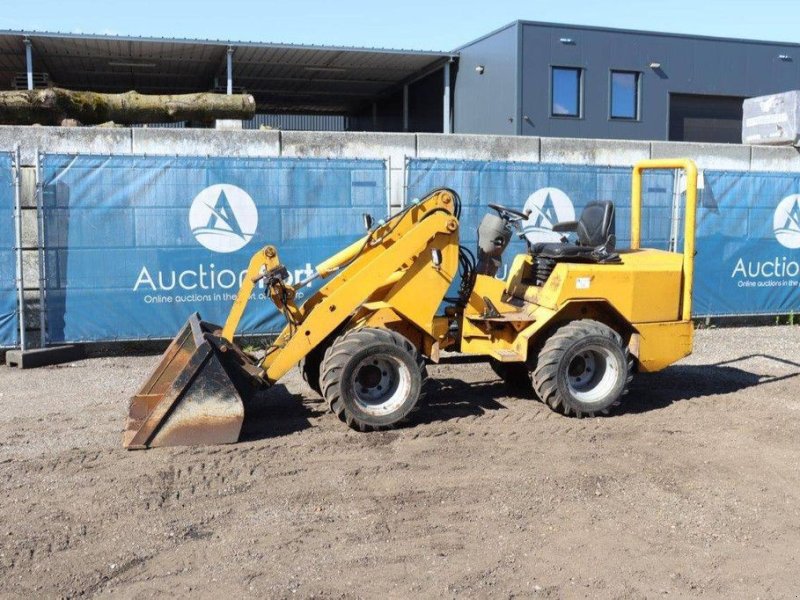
(20, 271)
(41, 249)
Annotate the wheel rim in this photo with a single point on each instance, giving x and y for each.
(592, 374)
(380, 384)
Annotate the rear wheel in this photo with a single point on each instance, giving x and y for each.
(372, 378)
(583, 369)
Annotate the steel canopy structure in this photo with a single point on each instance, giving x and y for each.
(285, 78)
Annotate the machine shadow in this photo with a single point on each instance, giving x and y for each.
(276, 412)
(449, 399)
(452, 398)
(653, 391)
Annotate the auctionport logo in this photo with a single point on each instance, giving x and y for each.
(786, 222)
(776, 271)
(547, 207)
(223, 218)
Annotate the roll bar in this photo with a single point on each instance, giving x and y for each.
(690, 168)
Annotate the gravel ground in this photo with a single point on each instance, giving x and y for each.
(693, 490)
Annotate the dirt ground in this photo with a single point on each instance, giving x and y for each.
(693, 490)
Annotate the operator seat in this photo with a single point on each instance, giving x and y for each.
(596, 238)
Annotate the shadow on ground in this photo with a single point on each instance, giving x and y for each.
(653, 391)
(450, 398)
(275, 412)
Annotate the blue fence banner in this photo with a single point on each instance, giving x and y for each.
(748, 236)
(748, 257)
(135, 244)
(9, 315)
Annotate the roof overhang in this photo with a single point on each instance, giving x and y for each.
(282, 77)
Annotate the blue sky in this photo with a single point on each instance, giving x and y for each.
(417, 24)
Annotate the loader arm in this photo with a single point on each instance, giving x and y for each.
(387, 259)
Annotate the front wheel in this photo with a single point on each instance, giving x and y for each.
(583, 369)
(311, 364)
(372, 378)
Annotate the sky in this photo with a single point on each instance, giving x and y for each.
(414, 24)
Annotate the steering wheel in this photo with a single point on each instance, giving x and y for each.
(507, 213)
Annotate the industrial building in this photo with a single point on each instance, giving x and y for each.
(588, 82)
(526, 78)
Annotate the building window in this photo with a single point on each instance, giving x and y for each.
(566, 95)
(624, 95)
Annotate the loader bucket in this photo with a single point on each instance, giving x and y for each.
(195, 395)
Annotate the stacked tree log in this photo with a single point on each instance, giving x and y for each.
(54, 106)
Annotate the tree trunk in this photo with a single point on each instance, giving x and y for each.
(50, 106)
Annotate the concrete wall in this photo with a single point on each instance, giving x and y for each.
(394, 148)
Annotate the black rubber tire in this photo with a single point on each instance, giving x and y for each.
(550, 377)
(345, 355)
(515, 375)
(311, 364)
(310, 367)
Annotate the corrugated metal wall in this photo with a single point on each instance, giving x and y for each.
(290, 122)
(178, 125)
(286, 122)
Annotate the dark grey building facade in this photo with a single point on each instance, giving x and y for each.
(572, 81)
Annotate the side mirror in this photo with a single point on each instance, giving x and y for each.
(368, 221)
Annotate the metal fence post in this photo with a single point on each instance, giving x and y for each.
(387, 185)
(678, 187)
(23, 343)
(406, 162)
(40, 244)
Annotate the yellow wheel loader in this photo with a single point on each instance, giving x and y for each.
(575, 318)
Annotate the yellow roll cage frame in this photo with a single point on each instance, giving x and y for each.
(690, 169)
